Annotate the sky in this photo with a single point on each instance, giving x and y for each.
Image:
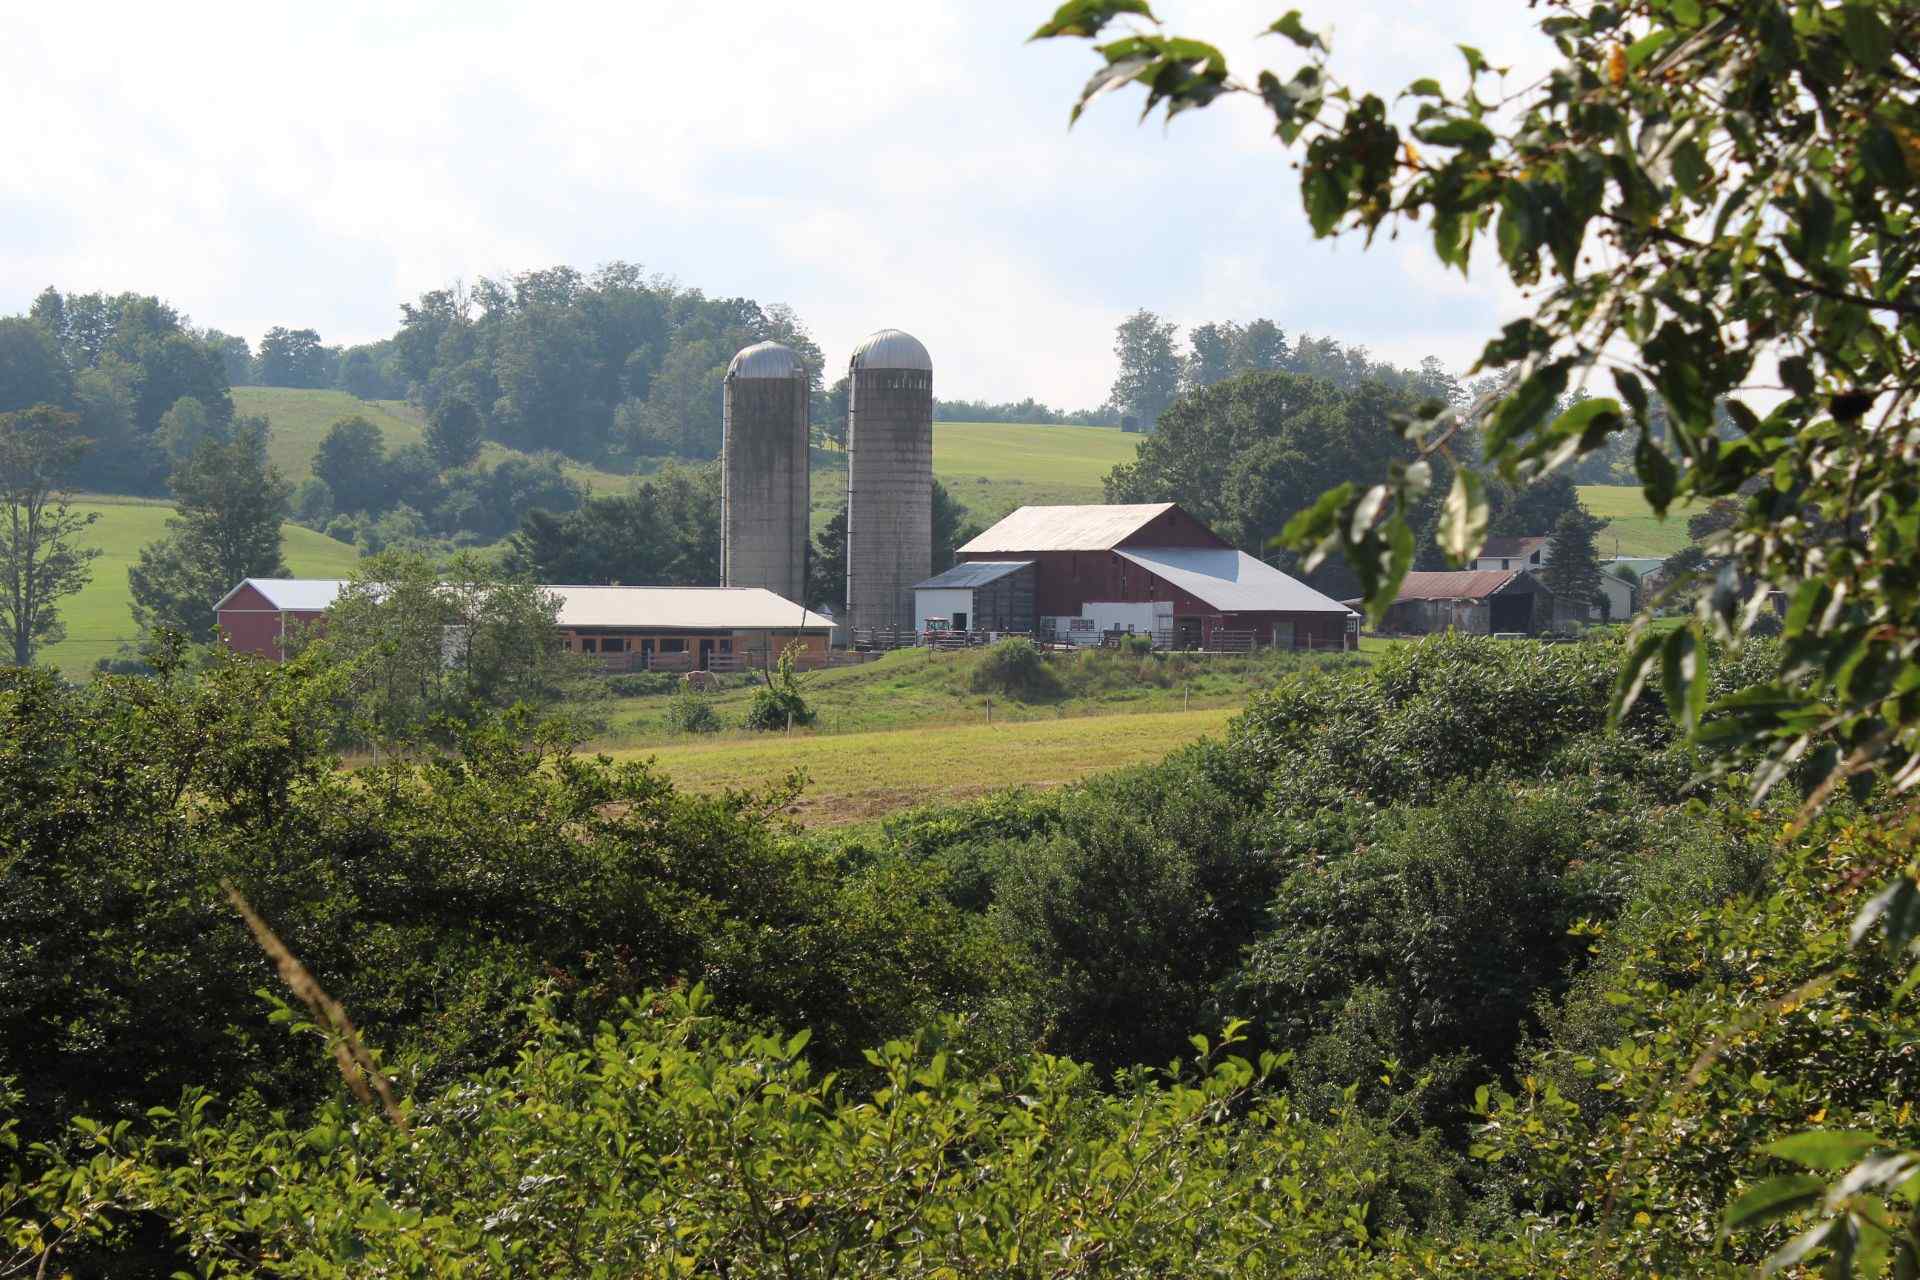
(872, 163)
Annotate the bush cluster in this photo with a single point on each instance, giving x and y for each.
(1467, 940)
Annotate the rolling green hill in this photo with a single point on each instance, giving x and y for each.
(1632, 528)
(100, 618)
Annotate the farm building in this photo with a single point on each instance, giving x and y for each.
(630, 628)
(254, 617)
(1500, 554)
(1476, 601)
(1621, 597)
(980, 595)
(1088, 560)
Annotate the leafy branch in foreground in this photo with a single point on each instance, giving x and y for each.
(1700, 191)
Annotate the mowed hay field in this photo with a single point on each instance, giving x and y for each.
(1632, 528)
(857, 777)
(99, 619)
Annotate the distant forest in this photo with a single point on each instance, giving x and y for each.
(614, 368)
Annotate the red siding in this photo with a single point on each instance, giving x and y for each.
(252, 625)
(1065, 581)
(1174, 528)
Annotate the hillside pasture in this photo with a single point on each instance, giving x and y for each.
(99, 618)
(922, 688)
(858, 777)
(1632, 528)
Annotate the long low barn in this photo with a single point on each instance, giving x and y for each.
(628, 626)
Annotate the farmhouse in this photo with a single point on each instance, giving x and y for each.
(1094, 565)
(630, 628)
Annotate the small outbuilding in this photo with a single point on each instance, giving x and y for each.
(1475, 601)
(978, 595)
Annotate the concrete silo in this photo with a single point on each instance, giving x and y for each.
(889, 479)
(763, 472)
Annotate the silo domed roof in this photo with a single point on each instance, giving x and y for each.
(892, 349)
(766, 360)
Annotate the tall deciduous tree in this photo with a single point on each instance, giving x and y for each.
(352, 460)
(292, 358)
(1149, 376)
(419, 641)
(231, 504)
(453, 432)
(41, 560)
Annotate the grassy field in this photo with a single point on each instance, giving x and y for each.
(100, 618)
(857, 777)
(919, 688)
(1632, 528)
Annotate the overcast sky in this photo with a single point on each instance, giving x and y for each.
(873, 164)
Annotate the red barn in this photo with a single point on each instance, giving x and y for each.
(1156, 553)
(253, 617)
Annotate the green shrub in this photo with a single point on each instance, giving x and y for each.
(692, 712)
(778, 704)
(1016, 668)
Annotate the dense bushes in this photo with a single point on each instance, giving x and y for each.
(428, 897)
(1478, 990)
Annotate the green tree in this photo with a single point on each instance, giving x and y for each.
(1262, 346)
(1149, 374)
(32, 369)
(230, 503)
(1214, 349)
(352, 460)
(420, 641)
(184, 428)
(292, 358)
(951, 528)
(40, 559)
(236, 355)
(827, 566)
(665, 531)
(1572, 571)
(453, 432)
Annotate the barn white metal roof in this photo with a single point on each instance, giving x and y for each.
(766, 360)
(680, 608)
(1231, 581)
(686, 608)
(1093, 527)
(892, 349)
(301, 595)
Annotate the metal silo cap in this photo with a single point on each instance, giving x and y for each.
(766, 360)
(892, 349)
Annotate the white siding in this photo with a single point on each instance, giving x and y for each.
(941, 602)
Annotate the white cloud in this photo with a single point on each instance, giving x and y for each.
(871, 163)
